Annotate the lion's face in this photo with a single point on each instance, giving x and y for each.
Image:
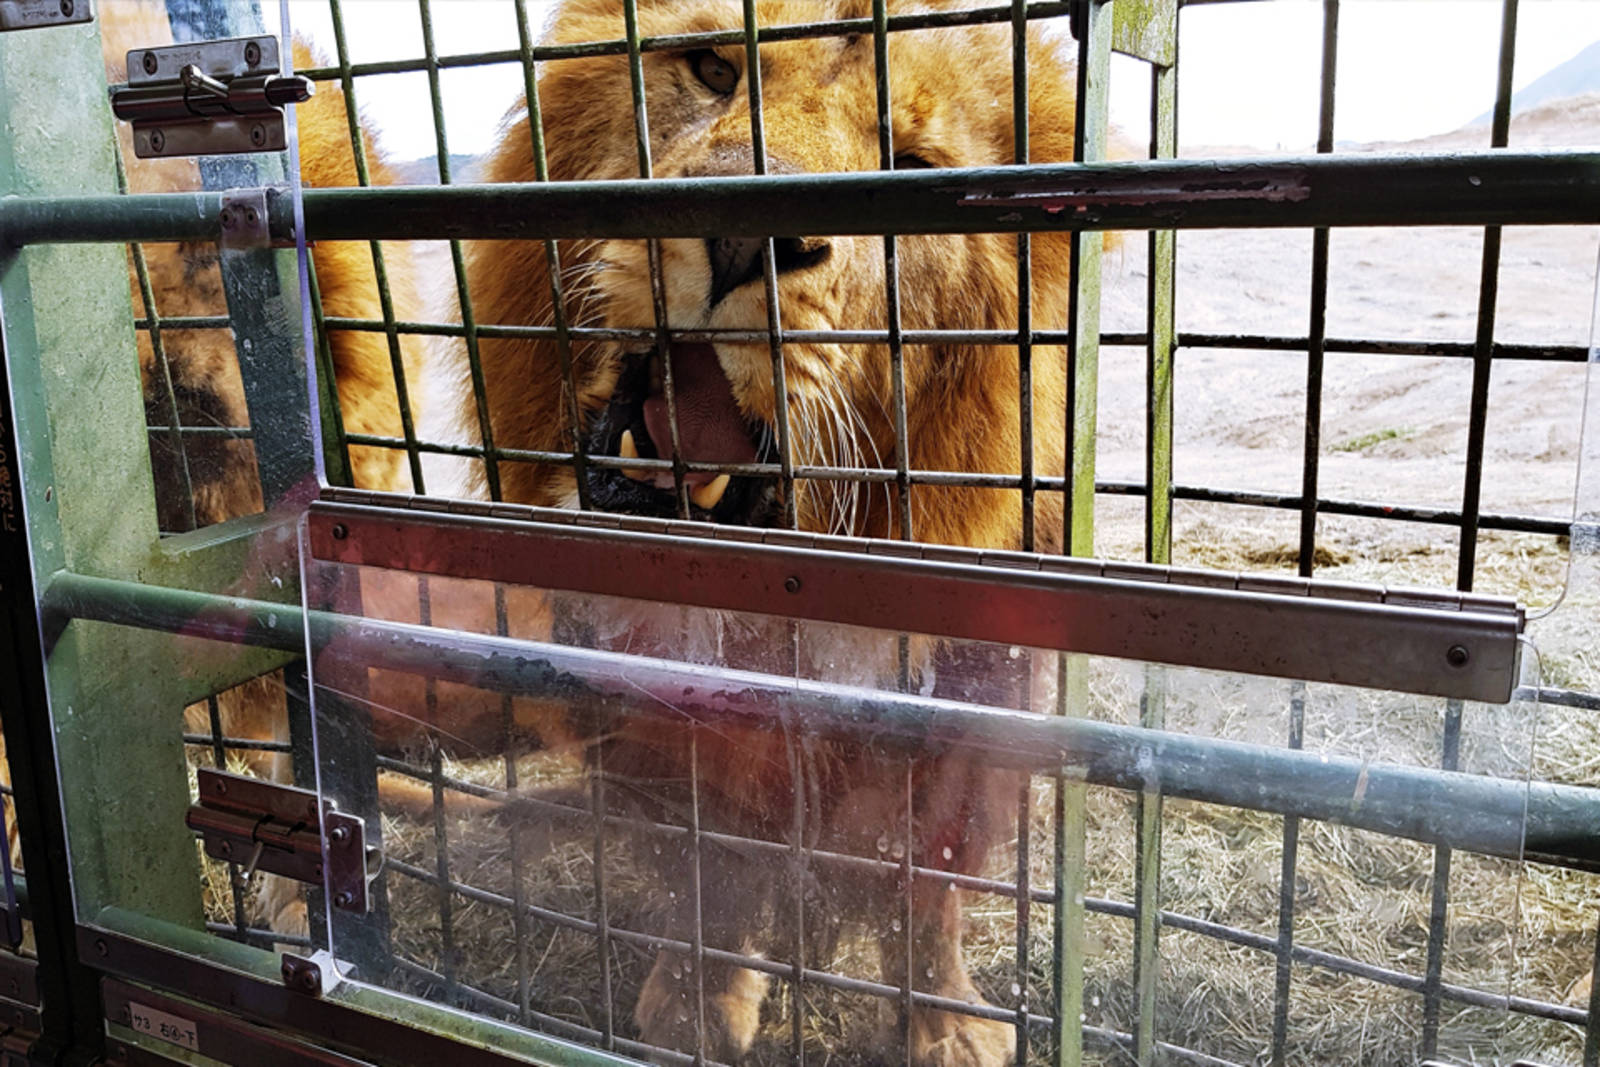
(951, 95)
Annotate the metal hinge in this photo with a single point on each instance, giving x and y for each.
(208, 98)
(286, 831)
(35, 14)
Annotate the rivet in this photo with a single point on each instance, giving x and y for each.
(150, 62)
(66, 8)
(343, 898)
(340, 531)
(225, 848)
(250, 216)
(227, 218)
(101, 949)
(252, 53)
(791, 584)
(339, 834)
(222, 785)
(158, 141)
(1457, 656)
(258, 135)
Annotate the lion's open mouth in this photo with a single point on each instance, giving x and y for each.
(711, 429)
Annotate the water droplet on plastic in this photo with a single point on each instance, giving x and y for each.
(677, 972)
(1016, 989)
(688, 968)
(898, 851)
(928, 973)
(1082, 1018)
(1014, 652)
(1324, 757)
(883, 843)
(656, 848)
(672, 894)
(949, 854)
(1077, 898)
(1094, 1001)
(895, 925)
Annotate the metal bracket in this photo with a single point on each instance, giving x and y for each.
(35, 14)
(244, 219)
(207, 98)
(315, 975)
(285, 831)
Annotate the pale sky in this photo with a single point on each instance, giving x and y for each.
(1248, 71)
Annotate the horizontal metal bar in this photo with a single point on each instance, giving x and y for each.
(1523, 188)
(1038, 9)
(1553, 823)
(216, 1034)
(369, 1022)
(1289, 628)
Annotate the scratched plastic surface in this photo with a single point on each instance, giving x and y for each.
(629, 823)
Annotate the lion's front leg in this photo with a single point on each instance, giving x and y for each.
(666, 1012)
(937, 966)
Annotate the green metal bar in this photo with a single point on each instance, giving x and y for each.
(769, 276)
(380, 268)
(1037, 9)
(552, 255)
(1476, 812)
(1149, 28)
(1019, 135)
(891, 272)
(658, 292)
(480, 395)
(1521, 188)
(1160, 345)
(336, 443)
(158, 350)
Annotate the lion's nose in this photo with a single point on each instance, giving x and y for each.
(737, 260)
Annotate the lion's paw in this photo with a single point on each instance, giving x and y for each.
(665, 1011)
(966, 1042)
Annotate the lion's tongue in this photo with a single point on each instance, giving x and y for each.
(710, 428)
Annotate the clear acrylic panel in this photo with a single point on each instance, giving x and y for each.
(672, 830)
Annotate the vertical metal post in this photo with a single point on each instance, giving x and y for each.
(1094, 29)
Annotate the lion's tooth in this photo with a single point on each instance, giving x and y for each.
(626, 448)
(706, 496)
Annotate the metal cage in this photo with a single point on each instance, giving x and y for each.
(120, 617)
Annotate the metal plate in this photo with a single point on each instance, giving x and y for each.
(35, 14)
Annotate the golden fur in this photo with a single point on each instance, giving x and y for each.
(951, 94)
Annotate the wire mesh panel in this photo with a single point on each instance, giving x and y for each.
(677, 831)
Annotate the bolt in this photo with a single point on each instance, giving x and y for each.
(225, 848)
(309, 978)
(343, 899)
(250, 216)
(66, 8)
(340, 531)
(101, 949)
(288, 972)
(791, 584)
(150, 62)
(1457, 656)
(158, 141)
(339, 834)
(258, 135)
(252, 53)
(229, 219)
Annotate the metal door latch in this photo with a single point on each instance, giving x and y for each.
(33, 14)
(286, 831)
(208, 98)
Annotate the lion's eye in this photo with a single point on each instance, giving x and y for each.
(911, 161)
(714, 72)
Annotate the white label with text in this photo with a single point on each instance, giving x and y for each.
(168, 1028)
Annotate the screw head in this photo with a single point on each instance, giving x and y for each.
(252, 53)
(150, 62)
(288, 971)
(158, 141)
(250, 216)
(222, 785)
(340, 531)
(1457, 656)
(339, 834)
(101, 949)
(343, 898)
(309, 978)
(258, 135)
(791, 584)
(66, 8)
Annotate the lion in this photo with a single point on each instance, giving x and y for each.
(951, 93)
